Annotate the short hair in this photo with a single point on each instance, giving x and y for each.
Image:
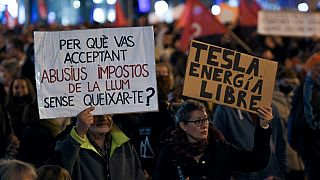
(52, 172)
(15, 169)
(186, 108)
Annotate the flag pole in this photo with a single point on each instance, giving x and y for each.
(130, 13)
(239, 41)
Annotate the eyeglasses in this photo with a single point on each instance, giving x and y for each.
(199, 122)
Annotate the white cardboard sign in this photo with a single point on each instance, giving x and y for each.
(289, 23)
(112, 69)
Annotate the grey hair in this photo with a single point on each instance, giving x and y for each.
(15, 169)
(186, 108)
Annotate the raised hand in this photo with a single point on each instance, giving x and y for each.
(84, 120)
(265, 114)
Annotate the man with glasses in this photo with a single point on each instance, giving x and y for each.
(197, 150)
(97, 149)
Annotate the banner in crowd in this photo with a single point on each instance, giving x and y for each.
(248, 12)
(112, 69)
(228, 77)
(195, 21)
(289, 23)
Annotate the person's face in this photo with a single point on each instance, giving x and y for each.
(267, 54)
(162, 70)
(196, 131)
(101, 124)
(10, 50)
(20, 88)
(167, 39)
(286, 85)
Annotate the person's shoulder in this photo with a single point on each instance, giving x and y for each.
(167, 150)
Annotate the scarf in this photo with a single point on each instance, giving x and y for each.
(182, 146)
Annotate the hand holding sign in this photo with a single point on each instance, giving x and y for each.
(84, 120)
(265, 114)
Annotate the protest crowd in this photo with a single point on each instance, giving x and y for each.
(186, 138)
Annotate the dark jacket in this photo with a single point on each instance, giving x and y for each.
(238, 128)
(84, 162)
(144, 130)
(4, 132)
(301, 137)
(218, 161)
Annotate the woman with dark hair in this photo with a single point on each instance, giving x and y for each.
(197, 150)
(20, 95)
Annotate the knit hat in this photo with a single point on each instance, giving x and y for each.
(314, 59)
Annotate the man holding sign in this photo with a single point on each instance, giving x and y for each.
(97, 149)
(112, 70)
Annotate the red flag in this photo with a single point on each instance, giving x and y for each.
(183, 20)
(197, 20)
(43, 11)
(248, 12)
(10, 21)
(121, 19)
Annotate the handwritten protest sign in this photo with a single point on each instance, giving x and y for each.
(111, 69)
(288, 23)
(228, 77)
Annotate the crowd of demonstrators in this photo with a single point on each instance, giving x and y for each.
(25, 137)
(304, 119)
(287, 81)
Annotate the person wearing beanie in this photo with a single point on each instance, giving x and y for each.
(304, 119)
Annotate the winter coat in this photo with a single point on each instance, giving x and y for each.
(301, 137)
(84, 162)
(218, 161)
(238, 128)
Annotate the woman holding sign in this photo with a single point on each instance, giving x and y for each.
(197, 150)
